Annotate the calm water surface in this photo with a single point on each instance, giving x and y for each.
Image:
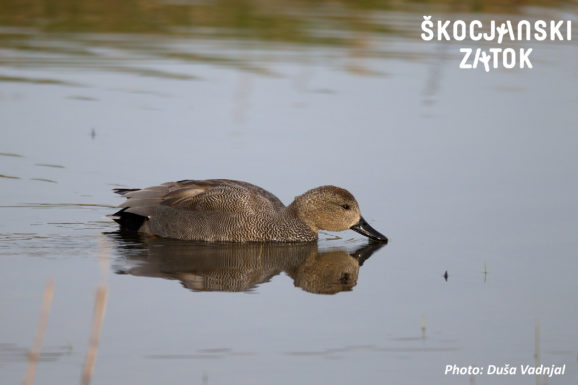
(467, 172)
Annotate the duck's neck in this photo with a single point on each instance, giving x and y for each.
(296, 210)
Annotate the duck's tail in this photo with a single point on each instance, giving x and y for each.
(135, 211)
(127, 220)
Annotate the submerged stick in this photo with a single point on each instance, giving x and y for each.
(40, 332)
(423, 328)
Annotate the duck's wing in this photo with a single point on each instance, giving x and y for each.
(218, 194)
(203, 195)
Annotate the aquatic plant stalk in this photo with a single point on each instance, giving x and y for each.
(99, 312)
(41, 331)
(97, 320)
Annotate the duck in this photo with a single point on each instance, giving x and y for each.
(224, 210)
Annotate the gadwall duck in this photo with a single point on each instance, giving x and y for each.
(228, 210)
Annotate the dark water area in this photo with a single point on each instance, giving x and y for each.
(472, 175)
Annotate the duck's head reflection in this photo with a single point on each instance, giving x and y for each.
(241, 267)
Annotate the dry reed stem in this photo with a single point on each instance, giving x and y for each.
(97, 320)
(40, 332)
(99, 312)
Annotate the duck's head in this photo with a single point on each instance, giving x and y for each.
(334, 209)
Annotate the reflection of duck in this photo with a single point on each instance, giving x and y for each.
(241, 267)
(229, 210)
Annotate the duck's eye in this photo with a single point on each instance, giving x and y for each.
(345, 206)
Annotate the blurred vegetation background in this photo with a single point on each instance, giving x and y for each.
(274, 20)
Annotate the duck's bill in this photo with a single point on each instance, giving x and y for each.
(362, 227)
